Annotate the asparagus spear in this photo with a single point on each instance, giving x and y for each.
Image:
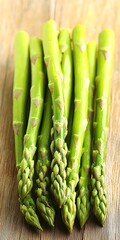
(20, 91)
(67, 69)
(26, 167)
(70, 120)
(55, 79)
(20, 99)
(44, 202)
(83, 195)
(102, 98)
(79, 121)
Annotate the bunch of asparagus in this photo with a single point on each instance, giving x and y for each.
(61, 99)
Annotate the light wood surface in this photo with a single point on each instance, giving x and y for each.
(29, 15)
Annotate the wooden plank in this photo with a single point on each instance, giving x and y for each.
(29, 15)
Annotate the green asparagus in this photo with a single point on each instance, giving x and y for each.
(44, 202)
(70, 120)
(20, 91)
(102, 98)
(62, 123)
(67, 68)
(79, 121)
(55, 79)
(83, 194)
(26, 167)
(20, 99)
(28, 209)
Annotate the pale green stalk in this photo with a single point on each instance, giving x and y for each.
(20, 91)
(83, 194)
(20, 103)
(44, 201)
(26, 167)
(102, 102)
(55, 79)
(79, 121)
(67, 68)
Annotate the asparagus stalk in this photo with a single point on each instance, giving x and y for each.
(67, 69)
(83, 195)
(70, 121)
(44, 202)
(20, 91)
(79, 121)
(102, 98)
(26, 167)
(55, 79)
(20, 99)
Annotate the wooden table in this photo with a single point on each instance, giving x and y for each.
(29, 15)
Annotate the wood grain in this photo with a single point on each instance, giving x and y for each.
(29, 15)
